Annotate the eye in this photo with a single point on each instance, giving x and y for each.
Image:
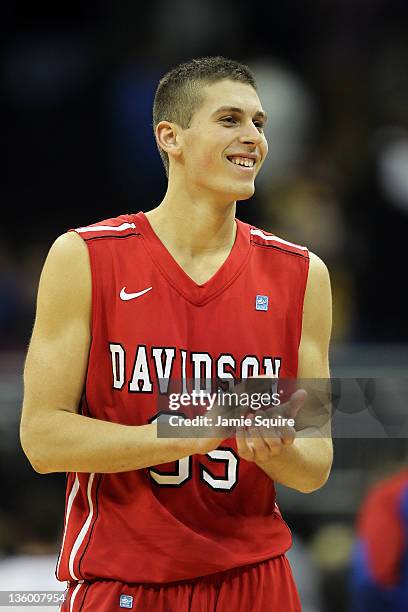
(229, 120)
(259, 125)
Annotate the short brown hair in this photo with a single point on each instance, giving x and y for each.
(179, 94)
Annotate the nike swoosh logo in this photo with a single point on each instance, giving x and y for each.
(131, 296)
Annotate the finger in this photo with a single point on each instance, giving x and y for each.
(270, 431)
(287, 408)
(244, 449)
(274, 446)
(264, 443)
(270, 436)
(272, 440)
(295, 403)
(249, 386)
(287, 435)
(285, 431)
(261, 450)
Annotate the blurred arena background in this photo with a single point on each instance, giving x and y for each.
(77, 88)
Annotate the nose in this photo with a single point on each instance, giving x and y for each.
(251, 135)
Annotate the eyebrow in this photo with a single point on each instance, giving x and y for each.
(235, 109)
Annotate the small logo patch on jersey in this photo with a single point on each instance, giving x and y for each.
(126, 601)
(131, 296)
(261, 302)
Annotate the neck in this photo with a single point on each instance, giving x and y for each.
(194, 226)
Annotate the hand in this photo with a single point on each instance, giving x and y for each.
(211, 433)
(259, 443)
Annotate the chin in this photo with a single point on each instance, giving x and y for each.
(238, 190)
(244, 193)
(245, 196)
(233, 192)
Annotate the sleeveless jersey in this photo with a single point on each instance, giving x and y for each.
(150, 323)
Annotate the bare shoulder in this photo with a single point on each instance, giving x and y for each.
(318, 271)
(317, 303)
(68, 257)
(316, 322)
(69, 247)
(65, 285)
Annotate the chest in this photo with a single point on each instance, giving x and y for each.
(247, 329)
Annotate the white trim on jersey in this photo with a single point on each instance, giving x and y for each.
(258, 232)
(83, 532)
(106, 228)
(73, 596)
(72, 495)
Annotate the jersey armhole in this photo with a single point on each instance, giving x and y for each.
(94, 293)
(94, 297)
(302, 292)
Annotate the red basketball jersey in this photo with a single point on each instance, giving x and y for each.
(151, 322)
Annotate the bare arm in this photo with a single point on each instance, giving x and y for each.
(304, 463)
(54, 436)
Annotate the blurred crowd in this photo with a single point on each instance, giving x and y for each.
(77, 89)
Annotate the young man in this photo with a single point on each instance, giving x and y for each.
(184, 291)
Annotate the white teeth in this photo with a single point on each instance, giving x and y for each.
(243, 161)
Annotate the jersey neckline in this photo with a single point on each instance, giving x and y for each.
(179, 279)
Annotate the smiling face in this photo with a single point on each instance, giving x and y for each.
(224, 147)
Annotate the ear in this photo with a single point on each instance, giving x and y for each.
(168, 138)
